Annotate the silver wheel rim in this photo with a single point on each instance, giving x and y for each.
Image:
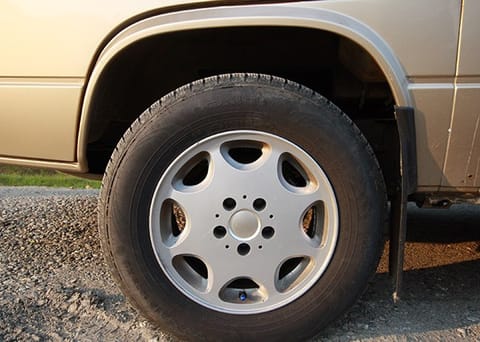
(244, 222)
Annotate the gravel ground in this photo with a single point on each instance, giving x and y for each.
(55, 286)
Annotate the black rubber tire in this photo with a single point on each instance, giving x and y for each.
(231, 102)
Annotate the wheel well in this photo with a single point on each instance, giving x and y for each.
(330, 64)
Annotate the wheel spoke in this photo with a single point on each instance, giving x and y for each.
(265, 273)
(225, 271)
(197, 235)
(197, 210)
(299, 201)
(188, 244)
(226, 176)
(266, 174)
(301, 245)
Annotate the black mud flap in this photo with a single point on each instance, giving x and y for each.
(408, 184)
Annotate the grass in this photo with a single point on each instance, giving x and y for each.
(22, 176)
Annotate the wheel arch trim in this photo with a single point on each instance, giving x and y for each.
(287, 15)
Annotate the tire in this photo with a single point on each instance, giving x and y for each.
(242, 207)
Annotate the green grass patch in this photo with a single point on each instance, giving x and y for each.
(22, 176)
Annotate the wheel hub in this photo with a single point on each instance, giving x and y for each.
(244, 225)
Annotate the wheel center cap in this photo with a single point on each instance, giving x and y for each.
(244, 224)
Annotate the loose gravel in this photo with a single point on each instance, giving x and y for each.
(54, 282)
(55, 286)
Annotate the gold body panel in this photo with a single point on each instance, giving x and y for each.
(53, 52)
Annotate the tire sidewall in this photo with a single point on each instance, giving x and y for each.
(307, 121)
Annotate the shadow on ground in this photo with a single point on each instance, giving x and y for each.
(441, 283)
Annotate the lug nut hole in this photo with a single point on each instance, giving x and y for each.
(268, 232)
(229, 204)
(219, 232)
(243, 249)
(259, 204)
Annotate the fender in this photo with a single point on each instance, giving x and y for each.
(259, 15)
